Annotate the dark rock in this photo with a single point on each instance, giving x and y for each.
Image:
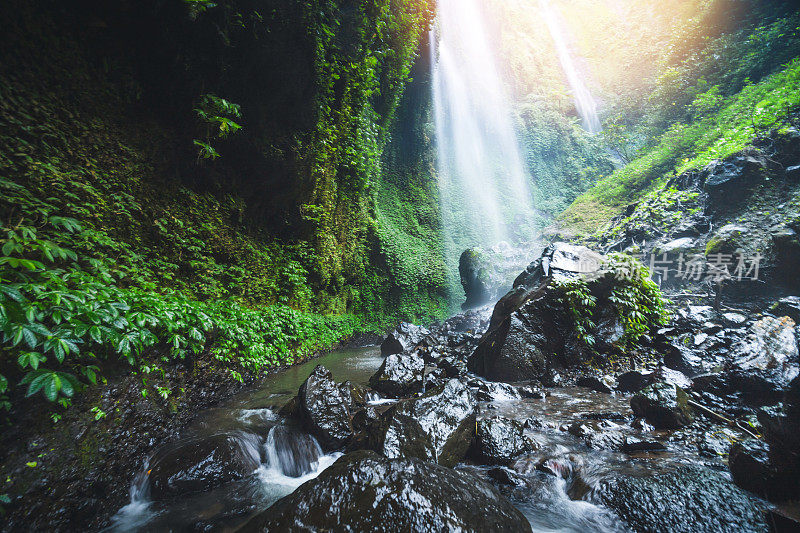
(500, 441)
(714, 383)
(478, 277)
(532, 336)
(598, 435)
(753, 469)
(786, 247)
(596, 384)
(504, 476)
(781, 429)
(399, 375)
(634, 445)
(684, 356)
(490, 391)
(663, 405)
(691, 500)
(634, 381)
(767, 360)
(728, 180)
(404, 338)
(789, 306)
(434, 377)
(437, 426)
(325, 408)
(452, 366)
(780, 522)
(561, 261)
(364, 418)
(355, 392)
(365, 492)
(203, 463)
(604, 415)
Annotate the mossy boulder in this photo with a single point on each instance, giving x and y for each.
(727, 240)
(568, 307)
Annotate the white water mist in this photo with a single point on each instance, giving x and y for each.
(584, 102)
(482, 181)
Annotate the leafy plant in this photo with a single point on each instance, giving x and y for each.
(216, 115)
(637, 300)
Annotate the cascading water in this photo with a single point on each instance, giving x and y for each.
(483, 185)
(584, 102)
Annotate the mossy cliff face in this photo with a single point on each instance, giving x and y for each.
(289, 209)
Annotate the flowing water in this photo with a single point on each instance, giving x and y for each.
(584, 102)
(285, 457)
(483, 185)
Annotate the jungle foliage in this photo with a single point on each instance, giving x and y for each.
(726, 78)
(119, 242)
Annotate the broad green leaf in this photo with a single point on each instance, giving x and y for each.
(67, 389)
(36, 384)
(52, 385)
(12, 293)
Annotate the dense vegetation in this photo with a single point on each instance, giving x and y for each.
(232, 208)
(727, 76)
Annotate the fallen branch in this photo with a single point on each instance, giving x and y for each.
(721, 418)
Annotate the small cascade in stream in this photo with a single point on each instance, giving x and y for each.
(584, 102)
(291, 457)
(291, 453)
(484, 190)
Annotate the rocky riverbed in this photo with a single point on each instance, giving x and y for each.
(692, 430)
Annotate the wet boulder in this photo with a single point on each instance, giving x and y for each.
(363, 491)
(399, 375)
(324, 407)
(452, 366)
(634, 381)
(500, 440)
(478, 277)
(636, 445)
(604, 384)
(752, 469)
(532, 333)
(788, 306)
(403, 339)
(676, 246)
(491, 391)
(691, 500)
(663, 405)
(437, 426)
(202, 464)
(598, 435)
(767, 360)
(727, 180)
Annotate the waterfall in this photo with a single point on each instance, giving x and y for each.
(585, 104)
(292, 453)
(482, 182)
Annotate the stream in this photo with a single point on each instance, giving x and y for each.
(284, 457)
